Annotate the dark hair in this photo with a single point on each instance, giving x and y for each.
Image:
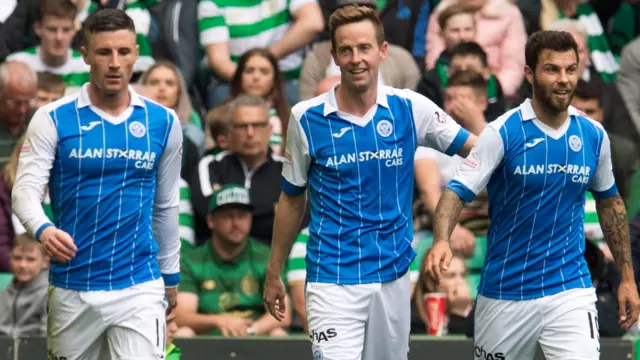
(588, 90)
(453, 10)
(277, 96)
(559, 41)
(64, 9)
(349, 14)
(51, 82)
(469, 48)
(107, 20)
(468, 78)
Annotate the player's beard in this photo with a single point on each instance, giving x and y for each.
(545, 97)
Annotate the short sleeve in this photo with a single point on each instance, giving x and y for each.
(211, 23)
(188, 282)
(435, 128)
(603, 184)
(297, 160)
(474, 172)
(294, 5)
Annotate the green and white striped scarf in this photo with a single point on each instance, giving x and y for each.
(601, 55)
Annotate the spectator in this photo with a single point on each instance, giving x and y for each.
(284, 27)
(466, 101)
(628, 84)
(500, 32)
(464, 56)
(23, 302)
(624, 153)
(218, 124)
(219, 291)
(258, 74)
(172, 352)
(51, 87)
(598, 45)
(458, 25)
(164, 84)
(625, 26)
(249, 162)
(55, 26)
(459, 306)
(297, 273)
(18, 86)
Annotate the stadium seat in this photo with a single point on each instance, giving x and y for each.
(473, 279)
(477, 260)
(5, 279)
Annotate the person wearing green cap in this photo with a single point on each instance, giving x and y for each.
(221, 284)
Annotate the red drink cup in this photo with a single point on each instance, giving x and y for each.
(436, 308)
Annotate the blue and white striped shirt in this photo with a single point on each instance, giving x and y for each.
(536, 177)
(359, 173)
(113, 183)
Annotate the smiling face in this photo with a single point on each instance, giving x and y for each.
(358, 54)
(554, 79)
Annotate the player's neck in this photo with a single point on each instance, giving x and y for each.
(53, 61)
(226, 249)
(549, 117)
(112, 104)
(354, 102)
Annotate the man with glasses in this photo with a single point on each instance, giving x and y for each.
(18, 85)
(248, 162)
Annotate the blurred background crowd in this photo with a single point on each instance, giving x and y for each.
(232, 69)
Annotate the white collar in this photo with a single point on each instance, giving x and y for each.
(84, 100)
(331, 103)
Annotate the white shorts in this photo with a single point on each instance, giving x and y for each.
(565, 325)
(122, 324)
(359, 322)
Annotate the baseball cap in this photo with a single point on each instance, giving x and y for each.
(230, 195)
(357, 2)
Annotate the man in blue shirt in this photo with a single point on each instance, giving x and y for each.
(111, 160)
(537, 161)
(351, 149)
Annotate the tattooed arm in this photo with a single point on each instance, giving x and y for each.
(471, 177)
(613, 221)
(447, 212)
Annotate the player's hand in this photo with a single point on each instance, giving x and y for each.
(628, 303)
(233, 326)
(171, 293)
(58, 244)
(463, 240)
(274, 295)
(438, 260)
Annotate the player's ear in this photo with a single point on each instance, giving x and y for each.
(528, 73)
(85, 54)
(383, 50)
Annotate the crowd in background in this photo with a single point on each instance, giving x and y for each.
(232, 69)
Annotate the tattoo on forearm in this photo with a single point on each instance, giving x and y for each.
(613, 221)
(447, 212)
